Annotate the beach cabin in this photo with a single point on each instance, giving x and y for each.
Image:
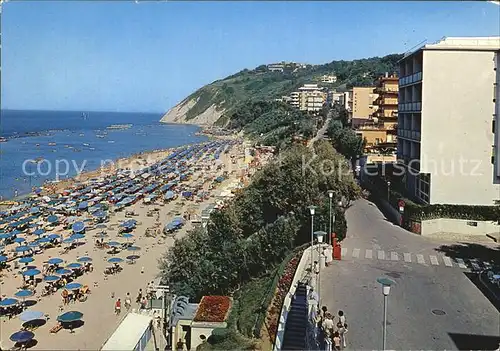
(133, 334)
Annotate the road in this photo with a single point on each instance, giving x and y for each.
(321, 132)
(429, 275)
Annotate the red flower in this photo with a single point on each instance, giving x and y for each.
(213, 309)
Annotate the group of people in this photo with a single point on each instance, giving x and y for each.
(141, 300)
(334, 329)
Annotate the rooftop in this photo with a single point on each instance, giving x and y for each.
(213, 309)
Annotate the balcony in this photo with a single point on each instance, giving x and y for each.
(410, 107)
(385, 90)
(409, 134)
(410, 79)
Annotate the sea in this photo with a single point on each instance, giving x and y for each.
(49, 145)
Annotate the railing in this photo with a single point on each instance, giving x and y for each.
(410, 107)
(410, 79)
(409, 134)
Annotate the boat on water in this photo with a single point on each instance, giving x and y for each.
(81, 134)
(85, 144)
(3, 140)
(111, 141)
(119, 126)
(52, 144)
(100, 136)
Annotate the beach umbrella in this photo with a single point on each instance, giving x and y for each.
(15, 232)
(84, 259)
(55, 260)
(133, 248)
(19, 240)
(63, 271)
(33, 244)
(27, 316)
(53, 236)
(127, 235)
(68, 240)
(35, 210)
(51, 278)
(52, 219)
(115, 260)
(73, 286)
(78, 227)
(101, 226)
(22, 336)
(22, 248)
(31, 272)
(3, 258)
(70, 316)
(8, 302)
(83, 205)
(114, 243)
(26, 259)
(74, 265)
(77, 236)
(5, 236)
(43, 240)
(133, 257)
(39, 232)
(23, 293)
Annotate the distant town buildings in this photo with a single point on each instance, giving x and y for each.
(448, 127)
(309, 97)
(284, 66)
(328, 79)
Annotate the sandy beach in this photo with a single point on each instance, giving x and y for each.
(98, 310)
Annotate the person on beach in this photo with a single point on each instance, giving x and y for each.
(118, 306)
(128, 302)
(65, 297)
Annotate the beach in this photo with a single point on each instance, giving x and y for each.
(99, 319)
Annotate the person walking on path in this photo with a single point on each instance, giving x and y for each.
(336, 341)
(118, 306)
(139, 297)
(128, 302)
(341, 331)
(341, 317)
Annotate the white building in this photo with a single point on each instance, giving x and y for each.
(328, 78)
(448, 122)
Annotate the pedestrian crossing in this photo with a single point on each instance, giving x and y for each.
(418, 258)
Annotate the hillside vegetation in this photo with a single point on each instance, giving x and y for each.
(262, 85)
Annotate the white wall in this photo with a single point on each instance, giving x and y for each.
(458, 226)
(457, 112)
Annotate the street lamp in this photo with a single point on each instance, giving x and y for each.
(312, 209)
(330, 195)
(388, 190)
(386, 289)
(319, 235)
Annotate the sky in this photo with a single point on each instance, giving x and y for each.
(148, 56)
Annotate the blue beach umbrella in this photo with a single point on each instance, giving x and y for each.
(127, 235)
(23, 248)
(19, 240)
(71, 316)
(8, 302)
(26, 259)
(77, 236)
(3, 258)
(35, 210)
(43, 240)
(114, 243)
(53, 236)
(5, 236)
(68, 240)
(22, 336)
(27, 316)
(133, 248)
(73, 286)
(78, 227)
(52, 219)
(51, 278)
(84, 259)
(33, 244)
(23, 293)
(74, 265)
(39, 232)
(63, 271)
(31, 272)
(115, 260)
(55, 260)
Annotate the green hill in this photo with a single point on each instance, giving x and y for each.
(223, 96)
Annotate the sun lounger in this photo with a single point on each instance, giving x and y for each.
(55, 329)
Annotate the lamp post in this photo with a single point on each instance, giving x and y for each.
(319, 235)
(312, 209)
(330, 195)
(388, 191)
(386, 288)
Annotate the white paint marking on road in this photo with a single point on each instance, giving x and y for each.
(447, 261)
(461, 263)
(475, 265)
(381, 255)
(369, 254)
(343, 252)
(407, 256)
(355, 253)
(434, 260)
(420, 259)
(394, 256)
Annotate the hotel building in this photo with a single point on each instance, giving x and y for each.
(448, 126)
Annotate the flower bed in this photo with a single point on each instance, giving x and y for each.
(213, 309)
(283, 287)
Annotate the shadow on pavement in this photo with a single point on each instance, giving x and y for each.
(475, 279)
(484, 253)
(474, 341)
